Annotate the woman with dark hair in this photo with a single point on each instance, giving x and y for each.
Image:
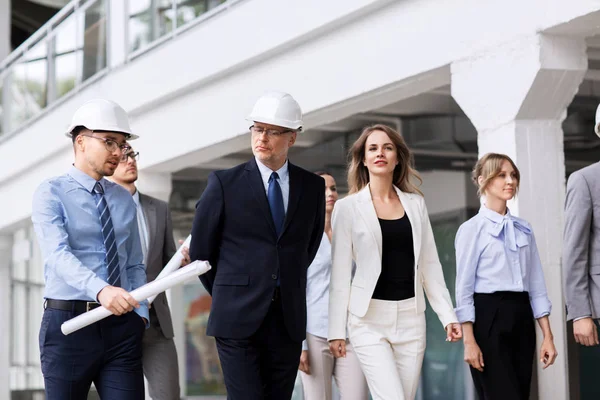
(383, 226)
(500, 288)
(317, 365)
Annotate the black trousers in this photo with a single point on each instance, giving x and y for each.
(263, 366)
(107, 353)
(505, 332)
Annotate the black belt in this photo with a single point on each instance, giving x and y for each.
(78, 306)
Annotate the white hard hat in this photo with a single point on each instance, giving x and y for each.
(277, 108)
(597, 126)
(102, 115)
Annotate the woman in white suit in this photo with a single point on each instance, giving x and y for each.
(384, 227)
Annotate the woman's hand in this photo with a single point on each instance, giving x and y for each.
(548, 352)
(338, 348)
(304, 365)
(453, 332)
(473, 356)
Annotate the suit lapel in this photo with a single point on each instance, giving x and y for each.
(414, 215)
(258, 190)
(369, 215)
(149, 210)
(295, 179)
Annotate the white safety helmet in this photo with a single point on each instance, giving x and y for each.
(277, 108)
(102, 115)
(597, 126)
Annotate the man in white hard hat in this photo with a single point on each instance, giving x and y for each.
(158, 246)
(88, 233)
(259, 225)
(581, 250)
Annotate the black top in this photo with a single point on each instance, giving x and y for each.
(397, 278)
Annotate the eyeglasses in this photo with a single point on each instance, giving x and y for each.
(134, 156)
(257, 130)
(112, 145)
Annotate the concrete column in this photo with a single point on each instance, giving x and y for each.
(5, 304)
(516, 95)
(5, 47)
(154, 184)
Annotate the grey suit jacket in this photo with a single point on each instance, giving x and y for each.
(581, 241)
(161, 248)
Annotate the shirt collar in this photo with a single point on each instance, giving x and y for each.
(136, 198)
(266, 172)
(493, 215)
(84, 179)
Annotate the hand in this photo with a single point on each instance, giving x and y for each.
(338, 348)
(453, 332)
(304, 366)
(473, 356)
(117, 300)
(186, 255)
(585, 332)
(548, 352)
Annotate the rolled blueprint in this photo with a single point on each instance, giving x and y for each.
(173, 264)
(140, 294)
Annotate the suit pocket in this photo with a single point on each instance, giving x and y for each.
(232, 280)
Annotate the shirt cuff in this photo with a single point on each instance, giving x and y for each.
(583, 317)
(465, 313)
(143, 312)
(95, 287)
(304, 345)
(540, 306)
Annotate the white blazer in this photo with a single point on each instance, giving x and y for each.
(357, 236)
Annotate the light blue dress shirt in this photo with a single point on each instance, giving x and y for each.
(142, 226)
(497, 253)
(68, 228)
(284, 180)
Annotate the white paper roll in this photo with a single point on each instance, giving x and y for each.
(173, 264)
(140, 294)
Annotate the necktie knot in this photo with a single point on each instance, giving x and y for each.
(274, 176)
(98, 188)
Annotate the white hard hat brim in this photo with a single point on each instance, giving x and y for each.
(128, 135)
(295, 125)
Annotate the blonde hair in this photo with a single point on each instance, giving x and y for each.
(489, 167)
(404, 172)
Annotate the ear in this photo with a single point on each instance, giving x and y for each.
(480, 180)
(80, 143)
(292, 139)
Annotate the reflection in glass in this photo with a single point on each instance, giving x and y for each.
(94, 39)
(149, 20)
(188, 10)
(29, 84)
(65, 57)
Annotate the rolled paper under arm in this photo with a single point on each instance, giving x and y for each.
(173, 264)
(140, 294)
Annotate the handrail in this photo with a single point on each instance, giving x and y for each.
(39, 34)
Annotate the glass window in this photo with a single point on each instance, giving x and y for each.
(149, 20)
(188, 10)
(29, 84)
(1, 107)
(94, 39)
(65, 57)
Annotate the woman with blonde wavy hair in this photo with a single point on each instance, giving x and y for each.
(383, 226)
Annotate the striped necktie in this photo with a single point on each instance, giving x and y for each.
(108, 232)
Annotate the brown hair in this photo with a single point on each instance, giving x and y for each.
(404, 172)
(489, 167)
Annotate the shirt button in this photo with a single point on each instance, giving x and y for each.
(274, 276)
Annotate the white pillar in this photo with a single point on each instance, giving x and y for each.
(5, 47)
(5, 304)
(516, 95)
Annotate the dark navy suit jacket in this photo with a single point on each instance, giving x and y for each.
(234, 231)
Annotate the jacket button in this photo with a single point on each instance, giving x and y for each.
(274, 276)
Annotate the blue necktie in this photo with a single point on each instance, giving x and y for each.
(276, 203)
(108, 232)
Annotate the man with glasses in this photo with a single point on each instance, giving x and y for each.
(156, 235)
(88, 233)
(259, 225)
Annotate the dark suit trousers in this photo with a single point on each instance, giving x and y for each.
(108, 353)
(505, 332)
(263, 366)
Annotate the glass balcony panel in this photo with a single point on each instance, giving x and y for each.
(94, 39)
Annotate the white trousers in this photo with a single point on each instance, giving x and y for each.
(323, 367)
(390, 343)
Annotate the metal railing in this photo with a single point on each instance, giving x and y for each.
(71, 50)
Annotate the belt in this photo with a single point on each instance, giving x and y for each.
(78, 306)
